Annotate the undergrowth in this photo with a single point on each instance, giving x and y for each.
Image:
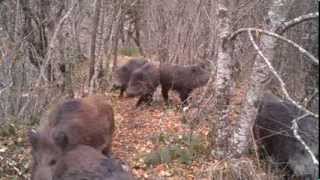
(129, 52)
(14, 155)
(182, 148)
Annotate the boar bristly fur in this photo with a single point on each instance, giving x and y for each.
(183, 79)
(85, 162)
(144, 82)
(87, 121)
(121, 76)
(273, 132)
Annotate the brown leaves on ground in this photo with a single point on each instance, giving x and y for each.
(15, 155)
(135, 128)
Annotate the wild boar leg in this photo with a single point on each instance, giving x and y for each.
(165, 95)
(184, 97)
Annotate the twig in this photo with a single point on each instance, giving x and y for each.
(308, 100)
(51, 44)
(298, 137)
(295, 21)
(9, 85)
(274, 72)
(50, 47)
(6, 87)
(256, 149)
(301, 49)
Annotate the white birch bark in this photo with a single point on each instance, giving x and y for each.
(260, 74)
(220, 132)
(93, 48)
(17, 25)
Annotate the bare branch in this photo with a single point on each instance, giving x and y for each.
(296, 21)
(51, 46)
(5, 87)
(301, 49)
(274, 72)
(308, 100)
(52, 41)
(298, 137)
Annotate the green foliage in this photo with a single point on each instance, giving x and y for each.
(14, 148)
(183, 148)
(160, 138)
(186, 156)
(129, 52)
(34, 120)
(152, 158)
(165, 155)
(8, 130)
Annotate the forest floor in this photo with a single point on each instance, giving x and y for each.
(143, 131)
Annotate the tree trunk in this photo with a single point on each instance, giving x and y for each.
(17, 27)
(28, 32)
(93, 40)
(115, 39)
(220, 130)
(260, 74)
(65, 68)
(134, 34)
(98, 68)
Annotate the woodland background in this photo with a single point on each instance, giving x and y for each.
(54, 49)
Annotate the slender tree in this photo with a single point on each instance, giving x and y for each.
(94, 32)
(220, 130)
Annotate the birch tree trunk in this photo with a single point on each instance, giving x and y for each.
(220, 131)
(119, 11)
(93, 41)
(17, 22)
(98, 67)
(115, 43)
(241, 138)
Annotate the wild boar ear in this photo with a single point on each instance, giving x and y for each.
(61, 139)
(33, 136)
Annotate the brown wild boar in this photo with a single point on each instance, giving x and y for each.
(87, 121)
(273, 132)
(144, 82)
(121, 76)
(182, 79)
(86, 163)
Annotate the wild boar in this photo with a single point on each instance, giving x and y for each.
(182, 79)
(144, 82)
(86, 163)
(273, 132)
(122, 75)
(87, 121)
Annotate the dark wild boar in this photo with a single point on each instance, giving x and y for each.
(87, 121)
(273, 132)
(182, 79)
(144, 82)
(122, 75)
(86, 163)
